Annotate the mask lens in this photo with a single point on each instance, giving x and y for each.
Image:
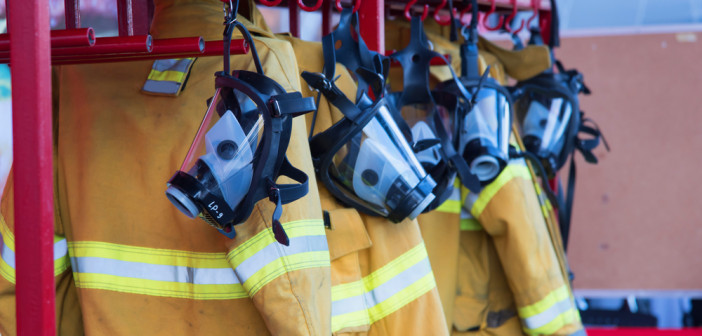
(378, 166)
(219, 163)
(485, 134)
(544, 121)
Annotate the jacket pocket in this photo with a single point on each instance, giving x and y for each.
(347, 236)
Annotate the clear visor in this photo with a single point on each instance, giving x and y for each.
(221, 155)
(419, 117)
(378, 166)
(484, 139)
(544, 121)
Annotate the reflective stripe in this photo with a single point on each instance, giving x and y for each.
(453, 203)
(261, 259)
(167, 76)
(468, 222)
(550, 314)
(513, 170)
(151, 271)
(382, 292)
(7, 253)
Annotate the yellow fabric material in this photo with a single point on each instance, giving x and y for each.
(518, 64)
(515, 261)
(115, 150)
(369, 251)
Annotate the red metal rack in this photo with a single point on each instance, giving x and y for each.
(33, 48)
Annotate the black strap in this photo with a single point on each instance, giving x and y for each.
(292, 103)
(457, 162)
(555, 38)
(292, 192)
(585, 147)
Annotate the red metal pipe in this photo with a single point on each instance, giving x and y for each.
(179, 45)
(33, 167)
(82, 37)
(72, 13)
(125, 18)
(110, 45)
(212, 48)
(294, 18)
(326, 18)
(545, 25)
(141, 21)
(372, 20)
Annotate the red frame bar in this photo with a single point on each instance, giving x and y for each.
(294, 18)
(33, 167)
(72, 13)
(82, 37)
(372, 21)
(211, 48)
(110, 45)
(125, 18)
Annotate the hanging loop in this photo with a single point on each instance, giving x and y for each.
(301, 4)
(493, 7)
(356, 5)
(508, 22)
(536, 4)
(270, 3)
(409, 5)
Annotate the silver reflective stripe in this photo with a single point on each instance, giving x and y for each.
(548, 315)
(455, 194)
(161, 86)
(273, 251)
(8, 255)
(60, 249)
(384, 291)
(175, 64)
(131, 269)
(465, 214)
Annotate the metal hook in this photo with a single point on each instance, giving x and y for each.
(409, 5)
(536, 5)
(511, 17)
(493, 7)
(306, 8)
(271, 3)
(356, 5)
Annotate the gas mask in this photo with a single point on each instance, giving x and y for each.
(432, 117)
(239, 150)
(364, 159)
(547, 110)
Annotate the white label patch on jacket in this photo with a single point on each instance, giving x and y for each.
(168, 76)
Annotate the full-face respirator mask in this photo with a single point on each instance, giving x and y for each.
(432, 117)
(364, 159)
(239, 150)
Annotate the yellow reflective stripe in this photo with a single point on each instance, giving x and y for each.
(167, 75)
(159, 288)
(147, 255)
(557, 323)
(450, 206)
(7, 253)
(382, 292)
(385, 308)
(381, 275)
(283, 265)
(300, 228)
(470, 224)
(152, 271)
(549, 300)
(261, 259)
(510, 172)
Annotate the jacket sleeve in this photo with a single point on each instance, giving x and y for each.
(68, 314)
(511, 213)
(289, 285)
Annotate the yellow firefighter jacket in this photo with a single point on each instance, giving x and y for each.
(511, 274)
(382, 283)
(127, 257)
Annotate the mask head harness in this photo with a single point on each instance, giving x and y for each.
(235, 162)
(484, 125)
(364, 159)
(432, 136)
